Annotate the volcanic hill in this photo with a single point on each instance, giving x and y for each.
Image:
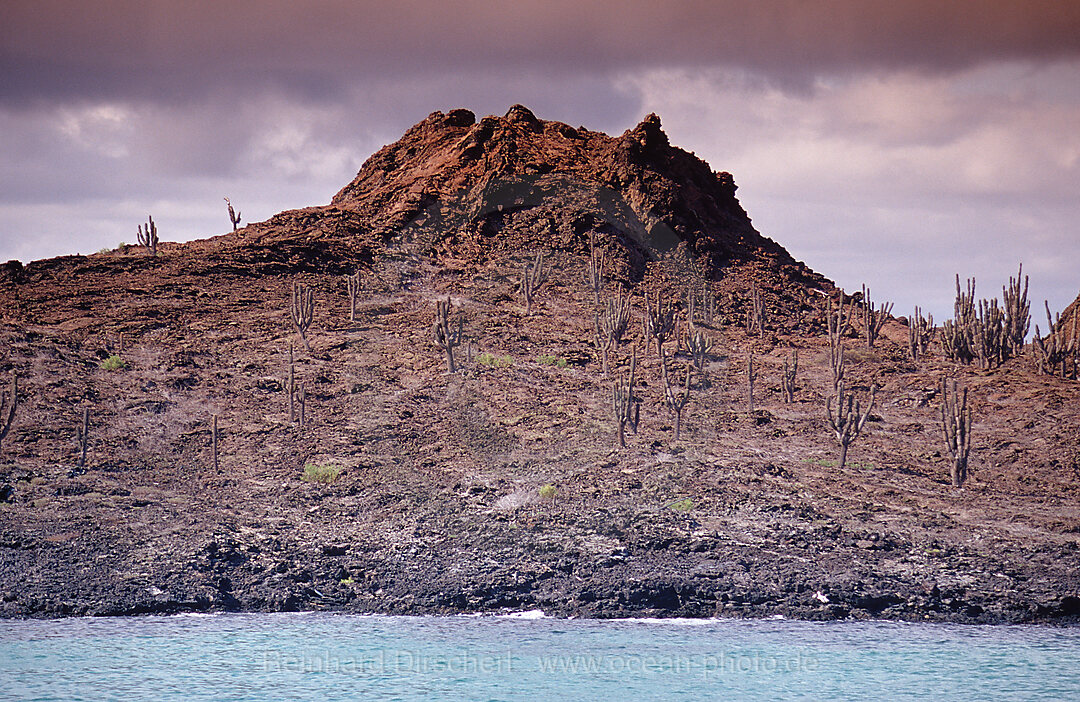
(501, 486)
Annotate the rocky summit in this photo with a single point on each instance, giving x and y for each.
(514, 364)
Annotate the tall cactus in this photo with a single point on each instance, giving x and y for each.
(352, 286)
(956, 428)
(676, 400)
(447, 337)
(302, 311)
(627, 409)
(234, 217)
(873, 320)
(755, 313)
(149, 238)
(787, 377)
(532, 278)
(8, 402)
(1017, 313)
(659, 320)
(847, 420)
(920, 334)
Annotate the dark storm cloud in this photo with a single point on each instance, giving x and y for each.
(173, 50)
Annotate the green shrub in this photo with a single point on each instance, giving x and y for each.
(548, 492)
(321, 472)
(556, 361)
(684, 505)
(113, 363)
(493, 361)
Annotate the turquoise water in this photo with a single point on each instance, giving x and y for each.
(327, 656)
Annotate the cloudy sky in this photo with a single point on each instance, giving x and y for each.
(895, 143)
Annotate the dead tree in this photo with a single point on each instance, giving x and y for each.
(676, 400)
(595, 276)
(920, 334)
(872, 319)
(755, 313)
(446, 336)
(82, 433)
(234, 217)
(532, 278)
(302, 311)
(847, 419)
(627, 409)
(149, 238)
(787, 377)
(1058, 353)
(659, 320)
(8, 402)
(1017, 313)
(352, 286)
(956, 428)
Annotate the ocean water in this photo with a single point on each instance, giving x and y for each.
(319, 656)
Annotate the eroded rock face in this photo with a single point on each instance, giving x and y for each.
(476, 190)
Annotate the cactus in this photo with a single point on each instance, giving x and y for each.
(847, 420)
(659, 321)
(302, 311)
(787, 377)
(352, 285)
(82, 433)
(149, 238)
(838, 324)
(751, 376)
(214, 440)
(956, 428)
(676, 400)
(292, 386)
(627, 410)
(8, 402)
(755, 314)
(1058, 352)
(532, 278)
(990, 343)
(446, 336)
(873, 319)
(603, 340)
(698, 345)
(594, 278)
(958, 334)
(1017, 313)
(920, 334)
(234, 217)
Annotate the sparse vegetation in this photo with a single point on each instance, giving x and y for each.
(787, 376)
(755, 313)
(82, 434)
(548, 360)
(492, 361)
(113, 363)
(325, 473)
